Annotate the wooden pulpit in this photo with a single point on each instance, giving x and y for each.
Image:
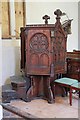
(43, 53)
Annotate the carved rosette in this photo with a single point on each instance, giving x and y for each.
(39, 43)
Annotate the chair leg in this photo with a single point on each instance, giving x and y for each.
(70, 96)
(67, 90)
(54, 92)
(79, 94)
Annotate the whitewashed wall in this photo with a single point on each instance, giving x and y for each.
(34, 12)
(10, 59)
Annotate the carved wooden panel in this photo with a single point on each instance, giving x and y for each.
(38, 55)
(59, 50)
(39, 43)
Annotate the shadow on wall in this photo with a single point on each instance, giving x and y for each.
(7, 81)
(17, 60)
(10, 62)
(16, 63)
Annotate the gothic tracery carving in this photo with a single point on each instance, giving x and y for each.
(39, 43)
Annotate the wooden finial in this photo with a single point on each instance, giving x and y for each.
(46, 17)
(58, 13)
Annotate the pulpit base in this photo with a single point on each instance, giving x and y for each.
(40, 88)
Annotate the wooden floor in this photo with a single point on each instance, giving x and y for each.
(42, 109)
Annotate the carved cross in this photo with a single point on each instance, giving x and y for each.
(46, 17)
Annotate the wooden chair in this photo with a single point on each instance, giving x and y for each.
(66, 82)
